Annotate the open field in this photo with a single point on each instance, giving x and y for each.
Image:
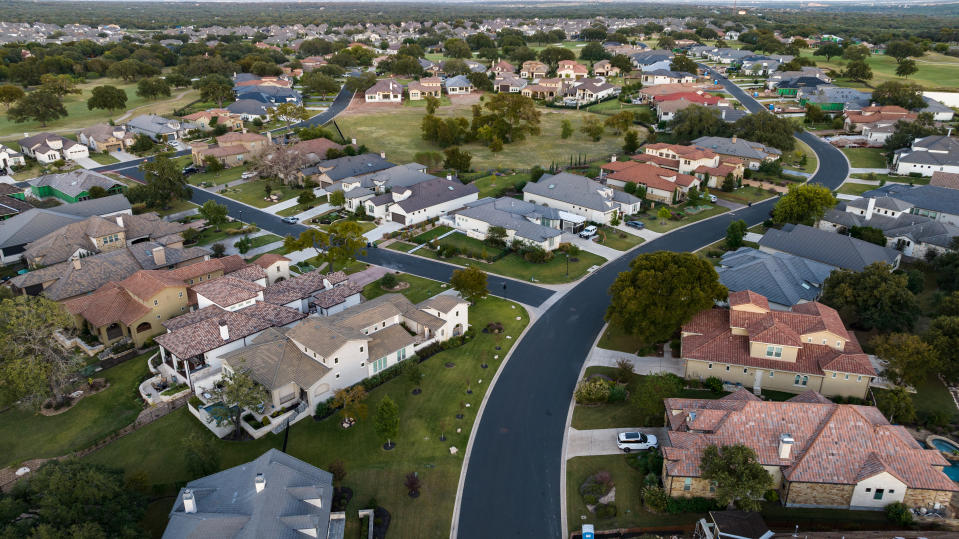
(855, 188)
(865, 157)
(936, 71)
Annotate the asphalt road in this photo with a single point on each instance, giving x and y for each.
(512, 485)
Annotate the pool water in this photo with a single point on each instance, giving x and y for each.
(948, 447)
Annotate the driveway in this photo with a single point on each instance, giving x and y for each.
(583, 443)
(601, 357)
(591, 246)
(122, 156)
(87, 163)
(727, 204)
(367, 276)
(380, 231)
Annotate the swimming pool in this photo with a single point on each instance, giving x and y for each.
(944, 445)
(949, 448)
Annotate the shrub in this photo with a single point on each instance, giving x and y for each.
(617, 393)
(713, 384)
(900, 514)
(771, 495)
(691, 505)
(592, 391)
(605, 510)
(655, 499)
(195, 402)
(388, 281)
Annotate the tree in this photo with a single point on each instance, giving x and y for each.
(905, 95)
(291, 112)
(216, 88)
(177, 80)
(868, 233)
(666, 43)
(566, 129)
(901, 50)
(804, 204)
(551, 56)
(10, 93)
(943, 335)
(621, 121)
(621, 62)
(107, 98)
(909, 359)
(856, 53)
(214, 213)
(165, 183)
(872, 298)
(237, 392)
(734, 234)
(361, 82)
(697, 121)
(351, 402)
(218, 250)
(470, 282)
(73, 498)
(739, 477)
(729, 183)
(386, 422)
(412, 484)
(457, 159)
(660, 292)
(336, 198)
(828, 50)
(650, 393)
(39, 106)
(896, 404)
(768, 129)
(338, 470)
(593, 52)
(58, 85)
(319, 84)
(518, 113)
(412, 368)
(684, 63)
(341, 242)
(906, 67)
(457, 48)
(858, 70)
(592, 128)
(906, 132)
(663, 214)
(153, 87)
(432, 103)
(631, 141)
(33, 366)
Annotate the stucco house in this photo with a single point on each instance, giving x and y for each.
(426, 86)
(10, 158)
(581, 196)
(751, 153)
(106, 138)
(421, 201)
(927, 155)
(50, 147)
(662, 185)
(231, 149)
(818, 453)
(528, 223)
(458, 85)
(532, 69)
(384, 91)
(159, 128)
(571, 69)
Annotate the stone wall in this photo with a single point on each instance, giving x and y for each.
(699, 488)
(916, 497)
(818, 494)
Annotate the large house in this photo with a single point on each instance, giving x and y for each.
(819, 454)
(426, 86)
(751, 153)
(159, 128)
(936, 153)
(603, 68)
(710, 167)
(662, 185)
(837, 250)
(532, 69)
(458, 85)
(274, 495)
(73, 186)
(784, 279)
(571, 69)
(104, 137)
(49, 147)
(666, 76)
(231, 149)
(421, 201)
(329, 171)
(357, 190)
(750, 344)
(384, 91)
(522, 221)
(12, 201)
(207, 119)
(10, 158)
(581, 196)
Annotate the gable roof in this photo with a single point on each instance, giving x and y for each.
(783, 278)
(433, 192)
(575, 189)
(828, 248)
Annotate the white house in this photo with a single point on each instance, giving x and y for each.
(936, 153)
(49, 147)
(421, 201)
(581, 196)
(517, 218)
(10, 158)
(385, 91)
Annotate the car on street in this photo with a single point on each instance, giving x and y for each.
(713, 198)
(588, 232)
(635, 224)
(636, 441)
(291, 220)
(190, 169)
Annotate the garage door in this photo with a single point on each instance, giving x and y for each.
(399, 218)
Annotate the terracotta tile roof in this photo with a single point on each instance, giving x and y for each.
(949, 180)
(689, 152)
(810, 396)
(748, 297)
(250, 272)
(654, 177)
(226, 265)
(199, 337)
(269, 259)
(145, 284)
(227, 291)
(836, 444)
(295, 288)
(193, 317)
(336, 295)
(109, 304)
(664, 162)
(617, 165)
(693, 97)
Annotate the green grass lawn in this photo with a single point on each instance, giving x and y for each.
(932, 396)
(865, 157)
(365, 226)
(211, 235)
(614, 105)
(653, 223)
(743, 195)
(266, 239)
(253, 193)
(401, 246)
(217, 178)
(371, 472)
(616, 339)
(936, 71)
(894, 179)
(103, 158)
(176, 207)
(299, 208)
(791, 163)
(432, 233)
(421, 103)
(855, 188)
(419, 289)
(617, 239)
(397, 132)
(493, 185)
(32, 435)
(628, 481)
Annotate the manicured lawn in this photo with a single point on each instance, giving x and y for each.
(421, 103)
(616, 339)
(211, 235)
(932, 396)
(419, 289)
(791, 163)
(855, 188)
(431, 234)
(894, 179)
(513, 265)
(743, 195)
(628, 482)
(401, 246)
(266, 239)
(371, 472)
(299, 208)
(253, 193)
(468, 244)
(493, 185)
(29, 435)
(653, 223)
(176, 207)
(617, 239)
(217, 178)
(614, 105)
(365, 226)
(865, 157)
(397, 132)
(936, 71)
(103, 158)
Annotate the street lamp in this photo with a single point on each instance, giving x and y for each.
(567, 264)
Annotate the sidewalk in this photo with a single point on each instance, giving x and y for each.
(281, 206)
(382, 230)
(232, 250)
(862, 181)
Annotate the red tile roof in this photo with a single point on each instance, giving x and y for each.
(269, 259)
(654, 177)
(694, 97)
(748, 297)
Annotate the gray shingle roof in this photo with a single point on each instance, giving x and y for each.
(351, 165)
(437, 191)
(738, 147)
(38, 222)
(577, 190)
(522, 227)
(783, 278)
(827, 247)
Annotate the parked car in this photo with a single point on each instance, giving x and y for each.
(588, 232)
(636, 441)
(291, 220)
(713, 199)
(190, 169)
(247, 175)
(636, 224)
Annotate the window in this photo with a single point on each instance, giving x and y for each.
(805, 380)
(379, 365)
(833, 375)
(156, 302)
(709, 366)
(824, 341)
(771, 373)
(361, 349)
(688, 483)
(401, 354)
(180, 295)
(727, 367)
(878, 494)
(838, 344)
(362, 364)
(712, 486)
(774, 351)
(847, 377)
(336, 361)
(745, 371)
(859, 378)
(337, 375)
(868, 489)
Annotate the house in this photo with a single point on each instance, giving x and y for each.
(777, 78)
(581, 196)
(10, 158)
(274, 495)
(503, 67)
(571, 69)
(652, 60)
(834, 98)
(662, 185)
(358, 190)
(49, 147)
(421, 201)
(666, 111)
(706, 165)
(870, 116)
(269, 94)
(698, 97)
(750, 344)
(231, 149)
(509, 83)
(249, 79)
(311, 63)
(837, 250)
(603, 68)
(783, 279)
(434, 69)
(73, 186)
(458, 85)
(927, 155)
(277, 267)
(521, 220)
(159, 128)
(589, 91)
(385, 91)
(791, 87)
(751, 153)
(329, 171)
(426, 86)
(249, 110)
(12, 201)
(207, 119)
(819, 454)
(532, 69)
(648, 93)
(106, 138)
(312, 292)
(666, 76)
(939, 111)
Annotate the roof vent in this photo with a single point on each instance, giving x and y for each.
(189, 502)
(551, 186)
(259, 482)
(450, 187)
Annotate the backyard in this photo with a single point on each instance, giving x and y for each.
(865, 157)
(371, 472)
(418, 290)
(494, 184)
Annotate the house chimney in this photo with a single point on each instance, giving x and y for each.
(189, 502)
(870, 205)
(259, 483)
(224, 330)
(159, 256)
(76, 263)
(612, 159)
(786, 442)
(383, 155)
(120, 221)
(449, 177)
(734, 139)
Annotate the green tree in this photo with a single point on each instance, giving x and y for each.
(470, 282)
(768, 129)
(729, 183)
(735, 233)
(943, 335)
(551, 56)
(336, 198)
(107, 98)
(457, 159)
(621, 62)
(432, 103)
(341, 242)
(856, 53)
(361, 82)
(803, 204)
(828, 50)
(457, 48)
(213, 164)
(650, 394)
(868, 233)
(10, 93)
(697, 121)
(631, 141)
(216, 88)
(858, 70)
(896, 404)
(740, 478)
(153, 87)
(291, 112)
(237, 393)
(906, 67)
(593, 52)
(33, 366)
(566, 129)
(666, 43)
(518, 113)
(663, 214)
(58, 85)
(621, 121)
(319, 84)
(305, 197)
(872, 298)
(592, 128)
(386, 422)
(661, 292)
(902, 49)
(39, 106)
(351, 402)
(909, 359)
(214, 213)
(177, 80)
(218, 250)
(905, 95)
(684, 63)
(202, 457)
(165, 185)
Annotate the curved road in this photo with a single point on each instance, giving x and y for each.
(513, 477)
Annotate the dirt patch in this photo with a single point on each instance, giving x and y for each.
(99, 385)
(402, 285)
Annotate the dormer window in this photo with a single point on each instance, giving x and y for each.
(774, 351)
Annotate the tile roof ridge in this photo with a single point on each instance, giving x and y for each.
(805, 450)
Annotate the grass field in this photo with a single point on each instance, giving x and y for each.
(493, 185)
(91, 419)
(252, 193)
(811, 160)
(217, 178)
(103, 158)
(212, 235)
(653, 223)
(397, 132)
(865, 157)
(432, 233)
(855, 188)
(176, 207)
(616, 339)
(371, 472)
(419, 289)
(743, 195)
(617, 239)
(894, 179)
(936, 71)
